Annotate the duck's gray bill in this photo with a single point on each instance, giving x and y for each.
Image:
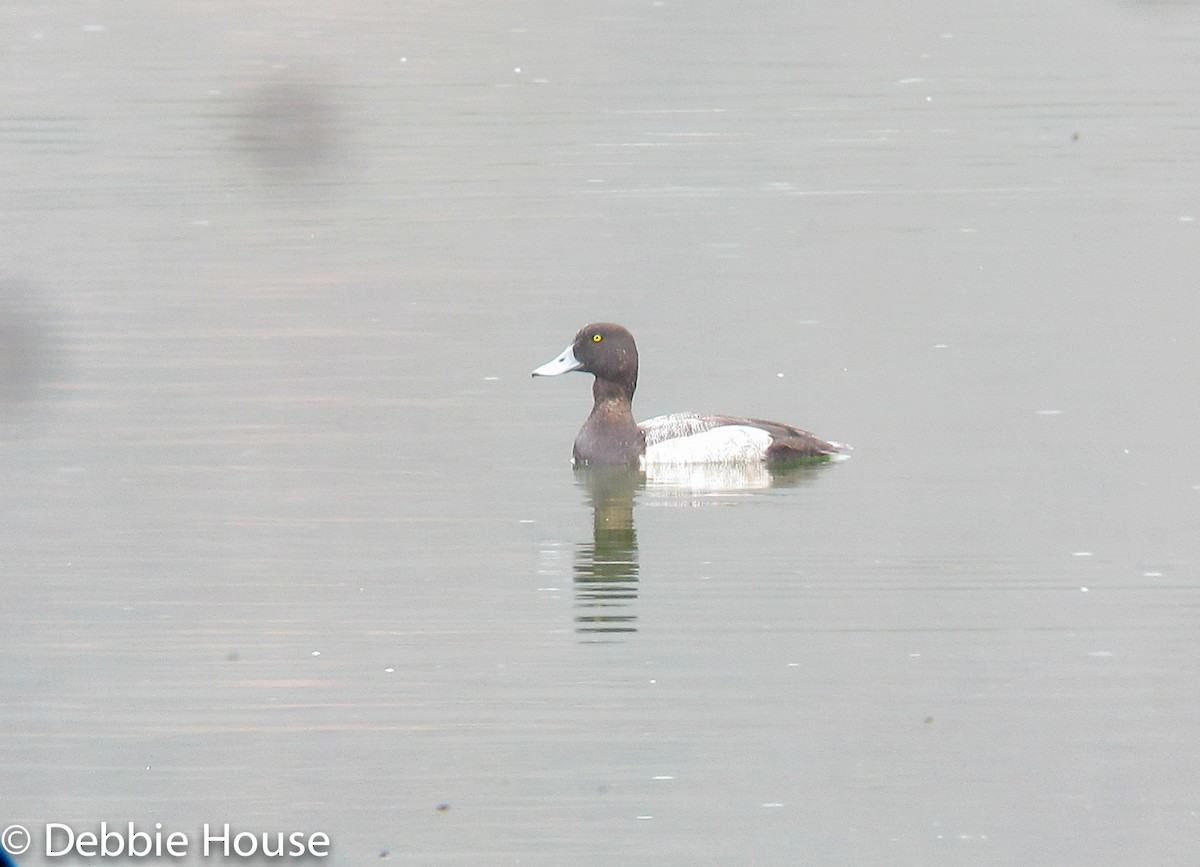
(565, 363)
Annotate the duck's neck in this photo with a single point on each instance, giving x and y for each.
(607, 391)
(610, 435)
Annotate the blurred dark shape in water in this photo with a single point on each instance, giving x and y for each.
(24, 345)
(290, 126)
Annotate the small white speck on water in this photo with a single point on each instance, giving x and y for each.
(1083, 590)
(315, 653)
(1081, 553)
(389, 670)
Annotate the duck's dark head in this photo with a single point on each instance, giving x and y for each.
(603, 349)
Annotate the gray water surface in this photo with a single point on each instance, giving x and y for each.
(291, 539)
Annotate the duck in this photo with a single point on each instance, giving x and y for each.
(611, 436)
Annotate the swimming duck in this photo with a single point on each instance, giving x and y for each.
(610, 436)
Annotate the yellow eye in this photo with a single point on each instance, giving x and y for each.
(596, 338)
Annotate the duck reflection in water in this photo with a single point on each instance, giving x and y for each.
(606, 569)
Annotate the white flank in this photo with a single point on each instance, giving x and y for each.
(727, 444)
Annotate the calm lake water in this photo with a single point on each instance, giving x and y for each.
(291, 540)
